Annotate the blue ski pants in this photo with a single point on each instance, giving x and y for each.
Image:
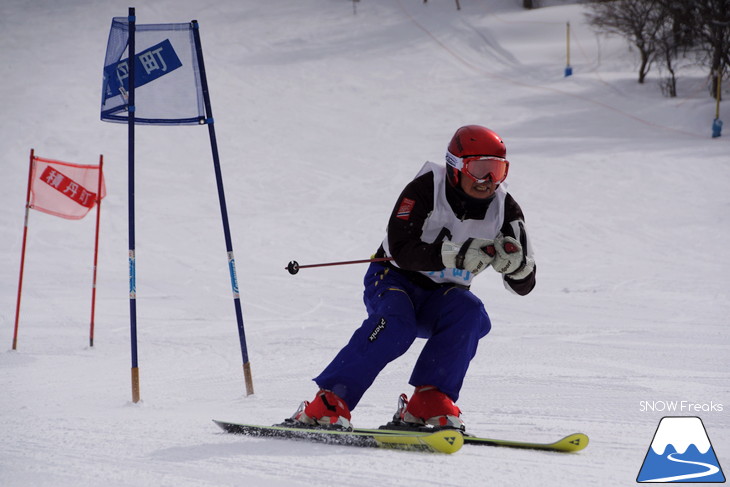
(450, 318)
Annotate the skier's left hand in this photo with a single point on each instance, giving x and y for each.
(509, 258)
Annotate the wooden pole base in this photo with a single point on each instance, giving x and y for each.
(249, 379)
(135, 385)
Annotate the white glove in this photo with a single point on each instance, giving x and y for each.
(470, 255)
(510, 259)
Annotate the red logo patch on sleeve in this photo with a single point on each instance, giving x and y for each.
(404, 210)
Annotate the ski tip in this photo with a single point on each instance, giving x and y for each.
(443, 441)
(447, 441)
(570, 443)
(574, 442)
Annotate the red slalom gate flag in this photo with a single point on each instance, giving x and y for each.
(64, 189)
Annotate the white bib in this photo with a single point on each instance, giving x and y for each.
(442, 217)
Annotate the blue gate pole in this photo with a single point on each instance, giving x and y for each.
(132, 264)
(224, 211)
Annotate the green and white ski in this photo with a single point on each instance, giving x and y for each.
(571, 443)
(443, 441)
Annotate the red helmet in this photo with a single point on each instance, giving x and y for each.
(478, 152)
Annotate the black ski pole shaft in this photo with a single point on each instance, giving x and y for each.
(294, 266)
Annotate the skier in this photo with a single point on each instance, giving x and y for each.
(449, 224)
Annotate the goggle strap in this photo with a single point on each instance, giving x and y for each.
(454, 161)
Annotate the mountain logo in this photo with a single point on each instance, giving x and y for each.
(681, 452)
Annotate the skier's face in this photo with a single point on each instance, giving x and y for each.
(477, 190)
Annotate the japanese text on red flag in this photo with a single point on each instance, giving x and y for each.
(64, 189)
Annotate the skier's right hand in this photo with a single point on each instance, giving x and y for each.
(470, 255)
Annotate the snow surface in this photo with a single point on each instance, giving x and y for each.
(322, 117)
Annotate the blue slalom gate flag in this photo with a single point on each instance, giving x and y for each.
(154, 74)
(168, 88)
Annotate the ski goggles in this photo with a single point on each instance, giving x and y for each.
(480, 168)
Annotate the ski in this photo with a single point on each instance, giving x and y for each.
(570, 443)
(442, 441)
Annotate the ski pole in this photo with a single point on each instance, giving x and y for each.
(294, 266)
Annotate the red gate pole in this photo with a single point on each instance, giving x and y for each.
(22, 252)
(96, 249)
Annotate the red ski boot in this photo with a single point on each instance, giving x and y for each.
(429, 407)
(326, 409)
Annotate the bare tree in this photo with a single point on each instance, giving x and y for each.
(667, 30)
(674, 38)
(636, 20)
(711, 26)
